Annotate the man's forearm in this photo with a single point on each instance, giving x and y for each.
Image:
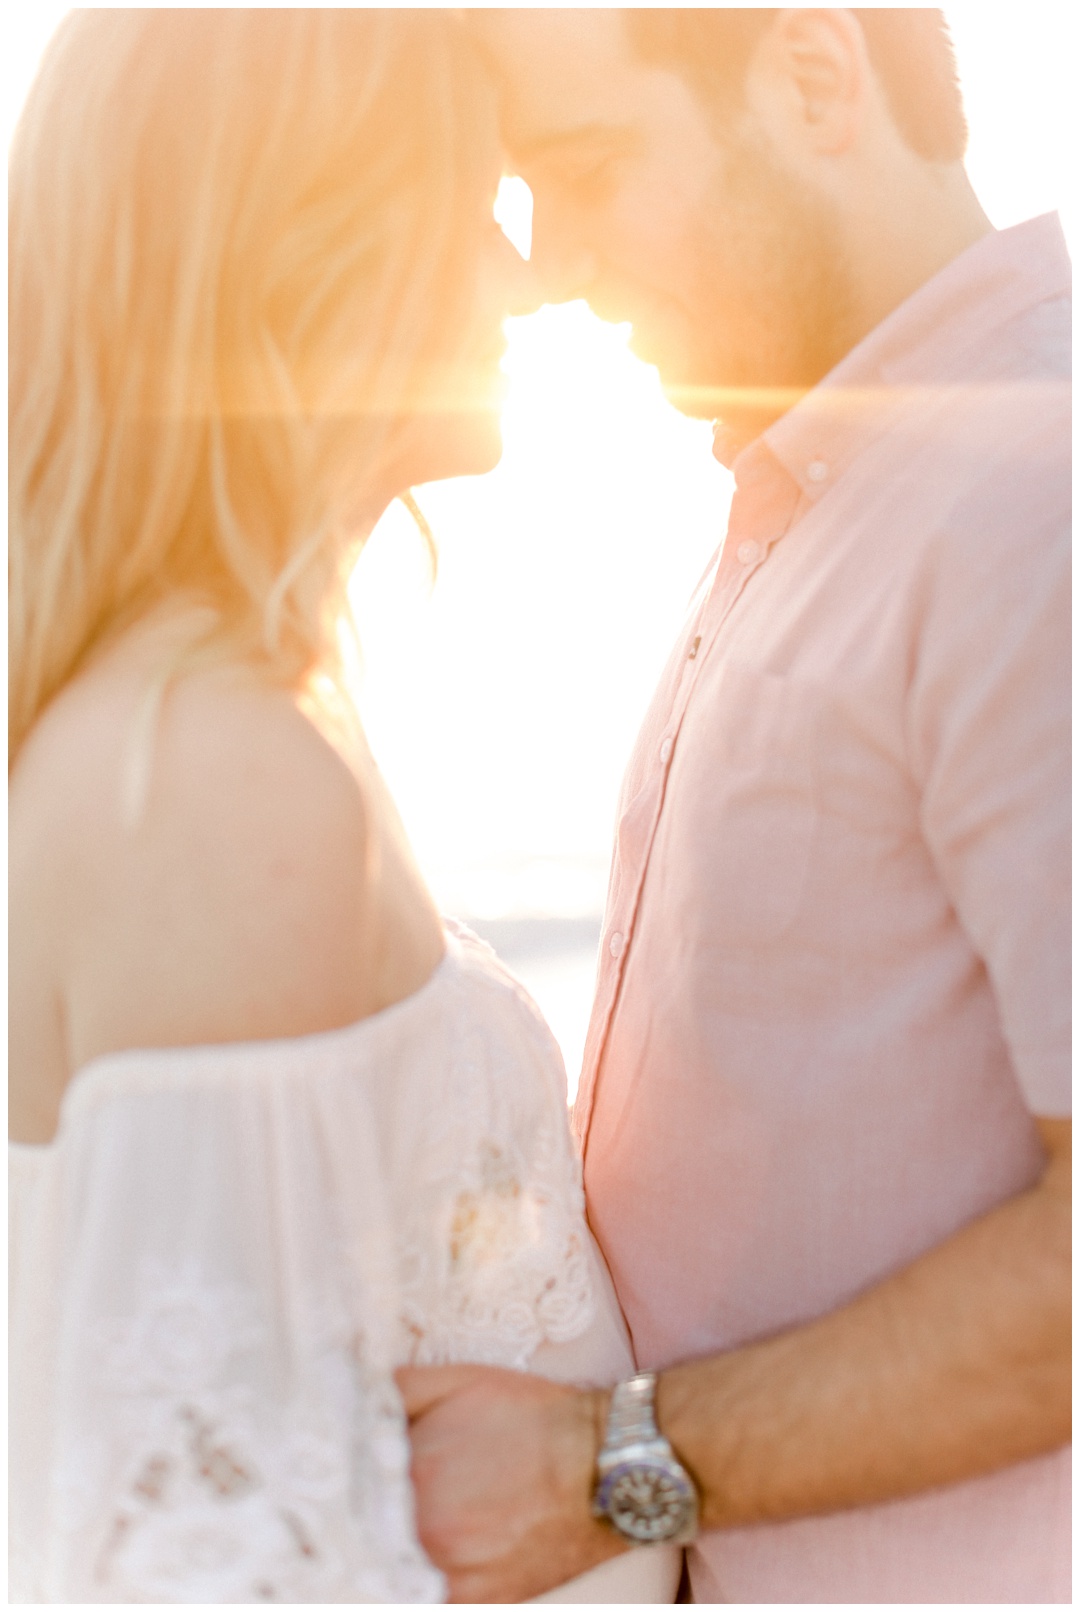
(952, 1367)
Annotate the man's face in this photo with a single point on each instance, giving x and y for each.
(729, 272)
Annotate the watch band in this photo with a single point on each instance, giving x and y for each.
(642, 1488)
(632, 1413)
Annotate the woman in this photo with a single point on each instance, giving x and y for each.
(275, 1131)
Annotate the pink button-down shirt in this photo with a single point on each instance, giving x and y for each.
(833, 985)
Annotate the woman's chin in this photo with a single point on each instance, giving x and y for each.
(459, 446)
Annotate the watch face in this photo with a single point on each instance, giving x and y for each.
(647, 1501)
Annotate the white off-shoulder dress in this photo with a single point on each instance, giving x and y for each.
(218, 1262)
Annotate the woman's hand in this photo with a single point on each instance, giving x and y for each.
(503, 1466)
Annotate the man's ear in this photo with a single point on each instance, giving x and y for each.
(810, 77)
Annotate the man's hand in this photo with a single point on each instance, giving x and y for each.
(503, 1468)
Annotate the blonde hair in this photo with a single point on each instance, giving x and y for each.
(241, 243)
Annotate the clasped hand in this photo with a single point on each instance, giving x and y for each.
(502, 1467)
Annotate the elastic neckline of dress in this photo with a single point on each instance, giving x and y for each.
(106, 1063)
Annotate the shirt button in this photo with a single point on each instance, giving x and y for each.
(616, 944)
(817, 470)
(665, 751)
(748, 551)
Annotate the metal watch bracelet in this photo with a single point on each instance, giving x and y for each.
(642, 1488)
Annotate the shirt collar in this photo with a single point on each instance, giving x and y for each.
(928, 341)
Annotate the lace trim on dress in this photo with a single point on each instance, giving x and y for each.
(231, 1495)
(507, 1268)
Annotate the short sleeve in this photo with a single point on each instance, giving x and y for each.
(991, 738)
(224, 1424)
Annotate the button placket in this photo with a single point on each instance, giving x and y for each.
(723, 594)
(721, 597)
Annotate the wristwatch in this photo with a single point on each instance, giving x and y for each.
(642, 1488)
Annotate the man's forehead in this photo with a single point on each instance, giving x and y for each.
(560, 70)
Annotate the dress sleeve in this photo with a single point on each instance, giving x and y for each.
(224, 1422)
(991, 742)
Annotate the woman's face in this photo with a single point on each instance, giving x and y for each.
(455, 429)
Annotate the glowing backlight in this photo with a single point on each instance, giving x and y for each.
(502, 704)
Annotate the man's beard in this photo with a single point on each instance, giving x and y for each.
(773, 294)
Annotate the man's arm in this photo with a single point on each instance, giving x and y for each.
(955, 1366)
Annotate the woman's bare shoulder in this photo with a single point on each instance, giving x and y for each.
(118, 775)
(231, 902)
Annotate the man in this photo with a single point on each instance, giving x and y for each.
(824, 1105)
